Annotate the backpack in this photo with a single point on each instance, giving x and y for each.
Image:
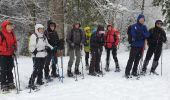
(129, 34)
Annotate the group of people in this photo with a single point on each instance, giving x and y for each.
(45, 45)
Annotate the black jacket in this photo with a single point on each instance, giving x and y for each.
(52, 36)
(97, 41)
(157, 36)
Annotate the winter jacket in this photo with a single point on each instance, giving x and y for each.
(52, 36)
(8, 43)
(87, 40)
(157, 37)
(139, 33)
(112, 38)
(76, 36)
(40, 44)
(96, 41)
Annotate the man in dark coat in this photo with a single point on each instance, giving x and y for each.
(155, 42)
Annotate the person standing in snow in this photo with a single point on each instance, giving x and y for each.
(87, 45)
(39, 47)
(111, 43)
(75, 40)
(8, 45)
(96, 45)
(53, 40)
(139, 33)
(155, 43)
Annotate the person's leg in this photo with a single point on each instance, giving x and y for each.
(92, 63)
(34, 73)
(54, 62)
(78, 57)
(107, 58)
(147, 58)
(3, 64)
(70, 63)
(157, 55)
(130, 61)
(46, 67)
(40, 65)
(114, 54)
(10, 77)
(136, 62)
(98, 60)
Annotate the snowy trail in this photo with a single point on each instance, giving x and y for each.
(110, 87)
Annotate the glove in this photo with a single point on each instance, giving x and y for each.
(48, 49)
(35, 52)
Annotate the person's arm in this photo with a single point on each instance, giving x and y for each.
(145, 32)
(32, 43)
(68, 39)
(164, 38)
(1, 45)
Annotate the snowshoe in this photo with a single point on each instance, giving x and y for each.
(55, 75)
(77, 72)
(5, 89)
(154, 73)
(11, 86)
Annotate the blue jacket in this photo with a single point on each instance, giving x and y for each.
(139, 33)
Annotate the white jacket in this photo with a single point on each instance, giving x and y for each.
(40, 45)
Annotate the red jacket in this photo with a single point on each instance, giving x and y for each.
(112, 38)
(8, 44)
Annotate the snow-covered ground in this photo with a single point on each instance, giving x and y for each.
(110, 87)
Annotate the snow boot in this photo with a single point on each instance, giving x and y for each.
(11, 86)
(117, 67)
(154, 66)
(54, 75)
(76, 71)
(69, 73)
(93, 74)
(107, 69)
(4, 89)
(146, 62)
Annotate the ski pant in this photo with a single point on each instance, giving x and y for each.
(156, 50)
(72, 53)
(114, 54)
(134, 58)
(6, 64)
(51, 56)
(87, 58)
(95, 60)
(37, 70)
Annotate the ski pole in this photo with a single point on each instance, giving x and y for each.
(62, 76)
(161, 62)
(15, 57)
(16, 80)
(82, 65)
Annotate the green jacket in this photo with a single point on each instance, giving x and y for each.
(87, 42)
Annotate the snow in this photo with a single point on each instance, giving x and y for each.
(110, 87)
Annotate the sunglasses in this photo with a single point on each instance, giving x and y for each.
(160, 23)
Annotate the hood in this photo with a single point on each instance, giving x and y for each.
(158, 21)
(4, 24)
(87, 28)
(50, 22)
(37, 26)
(139, 17)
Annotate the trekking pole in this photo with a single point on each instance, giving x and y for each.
(161, 62)
(16, 82)
(15, 57)
(62, 76)
(82, 65)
